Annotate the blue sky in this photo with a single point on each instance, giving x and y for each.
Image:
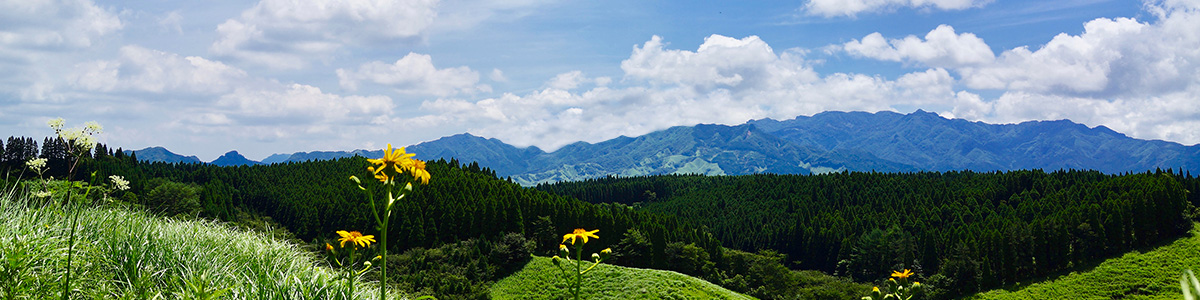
(278, 76)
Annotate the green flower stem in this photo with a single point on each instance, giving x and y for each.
(74, 220)
(578, 267)
(383, 231)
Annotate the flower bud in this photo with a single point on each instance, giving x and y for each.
(562, 251)
(596, 257)
(556, 260)
(606, 253)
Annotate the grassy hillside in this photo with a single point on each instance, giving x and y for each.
(541, 280)
(124, 254)
(1153, 274)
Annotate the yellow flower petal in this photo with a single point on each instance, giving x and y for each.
(581, 233)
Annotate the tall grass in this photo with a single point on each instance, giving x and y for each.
(125, 254)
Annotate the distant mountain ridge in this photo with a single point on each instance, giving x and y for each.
(825, 142)
(161, 154)
(233, 158)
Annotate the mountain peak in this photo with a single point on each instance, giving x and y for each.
(161, 154)
(233, 158)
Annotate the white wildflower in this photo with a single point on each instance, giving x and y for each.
(70, 134)
(37, 164)
(42, 194)
(91, 127)
(85, 143)
(119, 182)
(56, 124)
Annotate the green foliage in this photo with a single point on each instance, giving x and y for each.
(1148, 273)
(878, 251)
(763, 275)
(688, 259)
(539, 279)
(173, 198)
(462, 270)
(633, 250)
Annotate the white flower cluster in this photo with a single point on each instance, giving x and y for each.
(37, 164)
(83, 139)
(91, 127)
(119, 182)
(57, 124)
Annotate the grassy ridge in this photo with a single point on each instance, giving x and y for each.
(1152, 274)
(539, 279)
(124, 254)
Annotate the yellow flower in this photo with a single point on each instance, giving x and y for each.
(580, 233)
(328, 247)
(394, 159)
(902, 275)
(418, 171)
(379, 174)
(355, 237)
(875, 290)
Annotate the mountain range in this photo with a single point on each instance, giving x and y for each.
(825, 142)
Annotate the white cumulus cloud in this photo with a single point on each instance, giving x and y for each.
(941, 48)
(719, 62)
(53, 24)
(414, 74)
(147, 70)
(286, 34)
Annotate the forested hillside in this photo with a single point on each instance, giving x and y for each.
(314, 199)
(963, 231)
(465, 229)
